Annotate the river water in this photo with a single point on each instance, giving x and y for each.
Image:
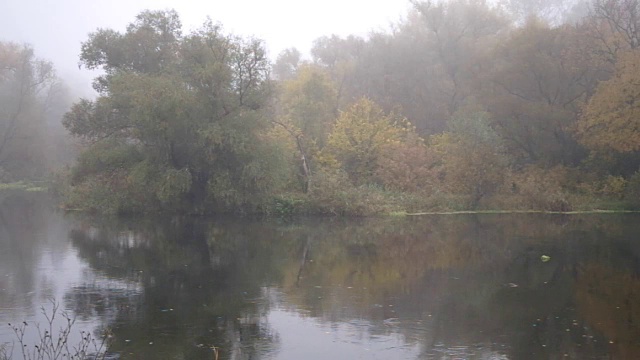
(429, 287)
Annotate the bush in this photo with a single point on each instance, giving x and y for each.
(536, 188)
(104, 157)
(632, 191)
(286, 205)
(333, 193)
(614, 187)
(407, 166)
(52, 343)
(468, 167)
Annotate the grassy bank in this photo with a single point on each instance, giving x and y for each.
(374, 201)
(336, 196)
(39, 186)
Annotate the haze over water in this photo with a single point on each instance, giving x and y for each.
(435, 287)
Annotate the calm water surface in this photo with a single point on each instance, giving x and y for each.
(434, 287)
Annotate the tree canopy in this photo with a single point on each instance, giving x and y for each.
(190, 106)
(611, 120)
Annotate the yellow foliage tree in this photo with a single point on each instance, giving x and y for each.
(611, 120)
(309, 102)
(308, 109)
(471, 160)
(360, 136)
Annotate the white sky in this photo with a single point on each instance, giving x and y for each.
(56, 27)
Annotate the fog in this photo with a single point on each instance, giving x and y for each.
(55, 31)
(56, 28)
(342, 108)
(476, 99)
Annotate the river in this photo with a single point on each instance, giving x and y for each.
(518, 286)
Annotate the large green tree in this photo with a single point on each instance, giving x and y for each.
(185, 112)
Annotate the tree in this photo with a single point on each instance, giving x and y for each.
(459, 32)
(424, 67)
(622, 17)
(555, 12)
(541, 78)
(309, 101)
(25, 83)
(471, 158)
(286, 64)
(340, 57)
(308, 107)
(360, 136)
(614, 28)
(190, 107)
(611, 119)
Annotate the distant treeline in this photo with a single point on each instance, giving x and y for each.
(461, 105)
(32, 101)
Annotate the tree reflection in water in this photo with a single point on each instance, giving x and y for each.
(431, 287)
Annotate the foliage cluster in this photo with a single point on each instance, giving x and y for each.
(178, 124)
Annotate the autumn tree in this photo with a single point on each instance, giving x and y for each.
(425, 67)
(612, 28)
(309, 101)
(540, 80)
(611, 120)
(622, 17)
(307, 109)
(459, 32)
(471, 159)
(359, 137)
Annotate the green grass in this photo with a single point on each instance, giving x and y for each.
(574, 212)
(375, 201)
(398, 213)
(22, 185)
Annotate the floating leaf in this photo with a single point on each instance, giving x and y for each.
(545, 258)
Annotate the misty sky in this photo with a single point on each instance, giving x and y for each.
(56, 27)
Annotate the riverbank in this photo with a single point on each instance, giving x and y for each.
(30, 186)
(347, 201)
(378, 202)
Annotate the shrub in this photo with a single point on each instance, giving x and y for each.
(468, 167)
(52, 343)
(333, 193)
(407, 166)
(632, 191)
(614, 187)
(537, 188)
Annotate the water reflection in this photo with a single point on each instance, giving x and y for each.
(442, 287)
(36, 260)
